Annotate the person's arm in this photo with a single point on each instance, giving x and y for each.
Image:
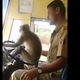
(58, 64)
(61, 57)
(44, 53)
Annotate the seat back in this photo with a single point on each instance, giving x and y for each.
(64, 73)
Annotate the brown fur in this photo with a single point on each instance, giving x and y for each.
(33, 48)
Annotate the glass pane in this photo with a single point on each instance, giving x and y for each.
(15, 30)
(4, 6)
(44, 30)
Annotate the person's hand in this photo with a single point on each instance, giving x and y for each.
(29, 75)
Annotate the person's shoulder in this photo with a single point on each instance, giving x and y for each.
(63, 30)
(65, 24)
(64, 27)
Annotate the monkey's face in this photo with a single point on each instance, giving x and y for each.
(24, 28)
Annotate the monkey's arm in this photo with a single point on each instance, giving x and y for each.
(19, 42)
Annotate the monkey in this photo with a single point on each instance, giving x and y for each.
(33, 48)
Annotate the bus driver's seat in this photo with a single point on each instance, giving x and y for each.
(64, 73)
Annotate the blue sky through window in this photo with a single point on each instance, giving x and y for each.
(5, 4)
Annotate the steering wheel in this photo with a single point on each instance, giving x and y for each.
(8, 50)
(18, 64)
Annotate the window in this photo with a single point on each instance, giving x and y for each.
(43, 29)
(5, 9)
(14, 35)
